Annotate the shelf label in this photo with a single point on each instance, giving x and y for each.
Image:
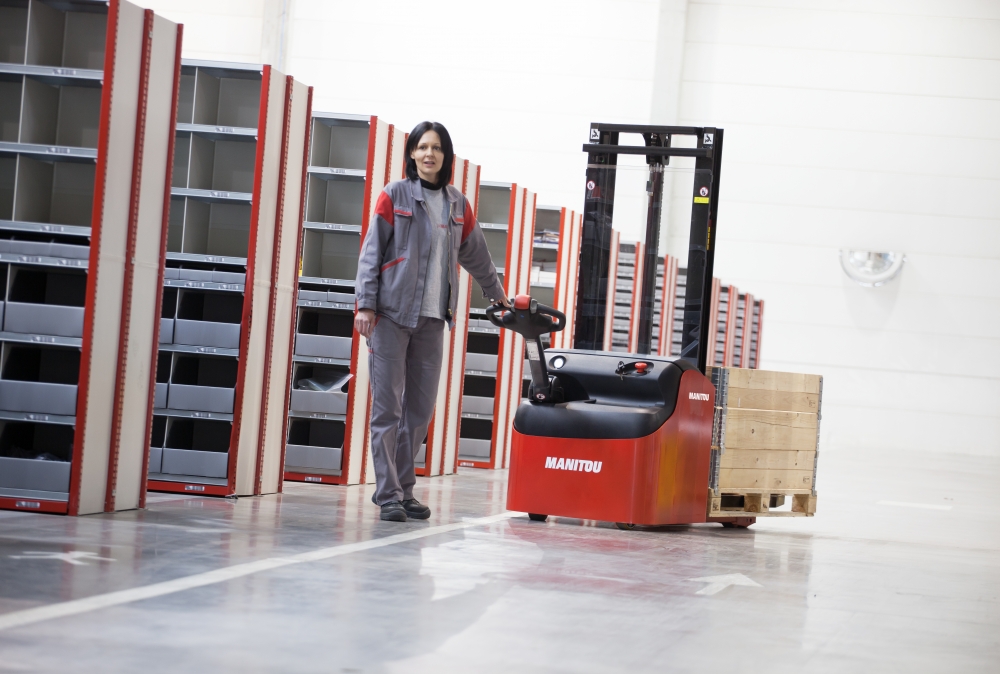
(194, 487)
(27, 504)
(310, 478)
(221, 195)
(58, 150)
(225, 129)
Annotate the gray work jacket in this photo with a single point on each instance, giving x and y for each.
(397, 248)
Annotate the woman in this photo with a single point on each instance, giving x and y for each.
(406, 290)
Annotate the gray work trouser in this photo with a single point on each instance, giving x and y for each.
(405, 364)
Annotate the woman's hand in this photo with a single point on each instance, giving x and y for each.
(364, 322)
(503, 299)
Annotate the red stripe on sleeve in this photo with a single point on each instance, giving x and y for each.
(384, 208)
(470, 220)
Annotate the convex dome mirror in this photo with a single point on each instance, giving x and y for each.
(869, 268)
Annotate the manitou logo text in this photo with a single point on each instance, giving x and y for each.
(698, 396)
(573, 464)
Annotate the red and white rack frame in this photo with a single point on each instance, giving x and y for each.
(231, 255)
(85, 153)
(351, 158)
(494, 360)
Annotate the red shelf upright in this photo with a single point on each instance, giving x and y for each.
(234, 233)
(351, 158)
(86, 173)
(494, 361)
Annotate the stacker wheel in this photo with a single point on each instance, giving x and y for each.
(535, 517)
(739, 522)
(625, 526)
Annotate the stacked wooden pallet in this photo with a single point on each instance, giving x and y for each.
(764, 443)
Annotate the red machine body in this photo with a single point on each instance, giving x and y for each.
(658, 479)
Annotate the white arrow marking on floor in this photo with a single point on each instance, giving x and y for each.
(76, 558)
(717, 584)
(96, 602)
(905, 504)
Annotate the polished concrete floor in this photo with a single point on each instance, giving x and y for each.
(898, 572)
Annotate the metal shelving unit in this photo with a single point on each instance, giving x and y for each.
(81, 226)
(230, 250)
(494, 362)
(350, 161)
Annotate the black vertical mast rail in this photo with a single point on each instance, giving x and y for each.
(594, 284)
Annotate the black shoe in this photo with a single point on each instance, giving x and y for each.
(393, 511)
(415, 509)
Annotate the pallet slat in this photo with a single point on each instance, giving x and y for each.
(768, 429)
(768, 459)
(779, 401)
(765, 480)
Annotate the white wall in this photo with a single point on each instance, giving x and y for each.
(868, 124)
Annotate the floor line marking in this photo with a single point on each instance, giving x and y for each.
(904, 504)
(117, 598)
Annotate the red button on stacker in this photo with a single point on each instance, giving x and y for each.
(641, 367)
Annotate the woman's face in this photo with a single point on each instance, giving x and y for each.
(429, 156)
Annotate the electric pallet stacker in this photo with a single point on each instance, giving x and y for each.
(617, 437)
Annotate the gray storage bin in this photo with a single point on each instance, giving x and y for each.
(207, 333)
(477, 405)
(313, 295)
(193, 462)
(343, 298)
(194, 275)
(166, 331)
(171, 273)
(34, 474)
(322, 346)
(307, 456)
(43, 248)
(200, 398)
(483, 362)
(69, 251)
(160, 397)
(43, 319)
(40, 397)
(155, 459)
(228, 277)
(322, 402)
(477, 450)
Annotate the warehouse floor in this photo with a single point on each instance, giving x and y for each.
(311, 582)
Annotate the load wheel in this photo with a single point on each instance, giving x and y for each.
(535, 517)
(624, 526)
(739, 522)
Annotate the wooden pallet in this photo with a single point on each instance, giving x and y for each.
(765, 443)
(758, 504)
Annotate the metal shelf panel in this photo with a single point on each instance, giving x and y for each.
(219, 132)
(42, 261)
(35, 416)
(208, 259)
(207, 350)
(321, 360)
(316, 280)
(319, 304)
(330, 227)
(212, 196)
(203, 285)
(44, 228)
(333, 173)
(56, 75)
(54, 340)
(50, 152)
(189, 414)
